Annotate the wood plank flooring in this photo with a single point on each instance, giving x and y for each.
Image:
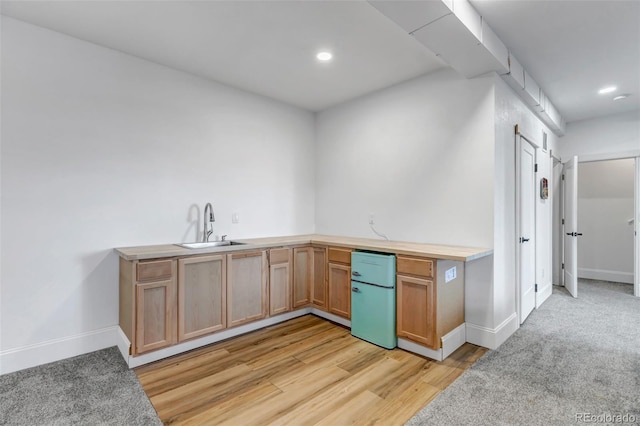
(306, 371)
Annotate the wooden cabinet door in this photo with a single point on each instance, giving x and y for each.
(279, 281)
(340, 290)
(202, 294)
(319, 282)
(247, 279)
(155, 315)
(302, 269)
(416, 310)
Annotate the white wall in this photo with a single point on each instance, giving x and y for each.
(103, 150)
(605, 204)
(613, 134)
(418, 155)
(510, 110)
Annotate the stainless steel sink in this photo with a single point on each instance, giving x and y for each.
(210, 244)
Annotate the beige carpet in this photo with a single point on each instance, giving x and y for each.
(572, 360)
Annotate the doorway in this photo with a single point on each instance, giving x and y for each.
(526, 227)
(602, 244)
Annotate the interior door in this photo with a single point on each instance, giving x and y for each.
(571, 226)
(527, 228)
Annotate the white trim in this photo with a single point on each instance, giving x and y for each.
(543, 294)
(453, 340)
(492, 337)
(606, 275)
(331, 317)
(135, 361)
(410, 346)
(609, 156)
(54, 350)
(123, 344)
(636, 224)
(450, 342)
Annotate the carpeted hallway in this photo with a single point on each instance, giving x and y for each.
(571, 359)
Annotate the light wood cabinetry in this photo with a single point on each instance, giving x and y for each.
(428, 307)
(152, 323)
(202, 294)
(247, 280)
(416, 309)
(339, 272)
(302, 276)
(279, 281)
(319, 288)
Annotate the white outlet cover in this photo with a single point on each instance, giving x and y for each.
(450, 274)
(235, 218)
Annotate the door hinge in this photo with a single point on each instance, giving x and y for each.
(536, 288)
(563, 266)
(563, 221)
(562, 177)
(535, 168)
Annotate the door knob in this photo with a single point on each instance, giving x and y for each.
(523, 240)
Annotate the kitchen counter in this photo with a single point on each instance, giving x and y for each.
(435, 251)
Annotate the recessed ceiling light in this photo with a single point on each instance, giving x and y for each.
(324, 56)
(625, 96)
(607, 89)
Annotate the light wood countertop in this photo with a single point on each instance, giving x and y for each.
(436, 251)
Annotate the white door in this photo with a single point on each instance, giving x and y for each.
(571, 226)
(527, 228)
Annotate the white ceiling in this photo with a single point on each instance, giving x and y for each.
(571, 47)
(266, 47)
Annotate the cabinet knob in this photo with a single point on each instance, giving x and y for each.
(355, 290)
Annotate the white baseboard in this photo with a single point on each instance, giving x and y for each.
(135, 361)
(543, 294)
(450, 342)
(331, 317)
(606, 275)
(410, 346)
(54, 350)
(492, 337)
(453, 340)
(123, 344)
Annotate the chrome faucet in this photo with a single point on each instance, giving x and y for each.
(207, 232)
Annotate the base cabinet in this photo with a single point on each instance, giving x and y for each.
(319, 288)
(430, 299)
(416, 310)
(202, 290)
(247, 280)
(279, 281)
(155, 308)
(340, 282)
(302, 276)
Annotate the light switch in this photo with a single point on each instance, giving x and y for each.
(450, 274)
(235, 218)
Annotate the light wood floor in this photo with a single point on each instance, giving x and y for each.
(305, 371)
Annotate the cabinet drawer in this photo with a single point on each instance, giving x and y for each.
(160, 269)
(278, 256)
(340, 255)
(415, 266)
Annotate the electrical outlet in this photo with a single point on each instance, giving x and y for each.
(235, 218)
(450, 274)
(372, 219)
